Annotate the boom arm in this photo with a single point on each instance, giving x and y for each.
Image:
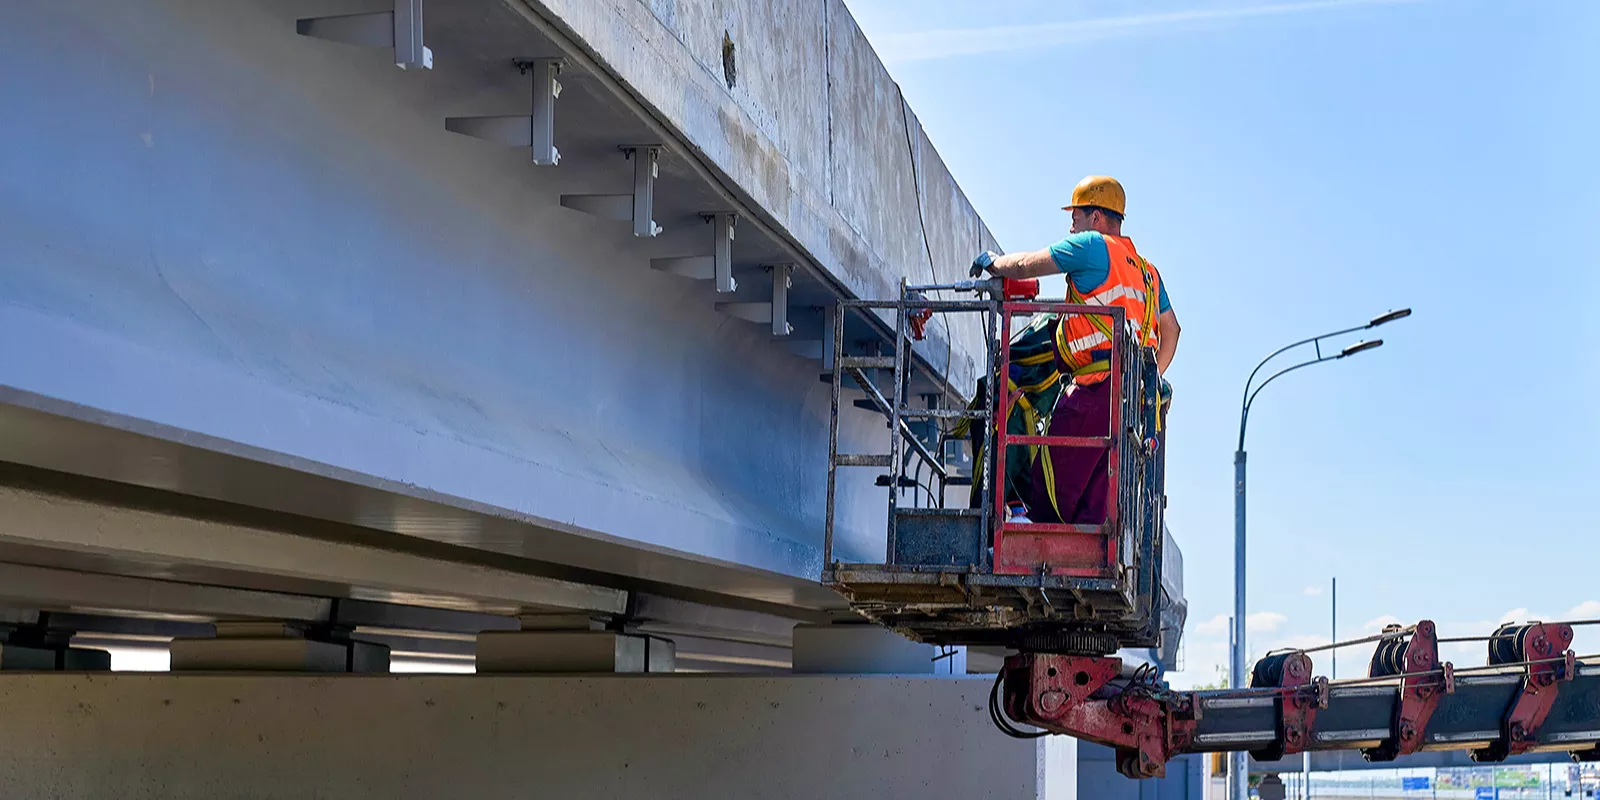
(1533, 694)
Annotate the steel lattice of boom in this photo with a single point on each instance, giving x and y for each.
(1533, 694)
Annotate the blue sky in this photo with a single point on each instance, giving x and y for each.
(1296, 167)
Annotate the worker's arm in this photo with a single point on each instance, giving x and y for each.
(1081, 257)
(1036, 264)
(1168, 325)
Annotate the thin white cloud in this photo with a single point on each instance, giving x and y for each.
(1313, 591)
(1257, 623)
(1264, 622)
(1518, 615)
(950, 43)
(1204, 663)
(1480, 627)
(1585, 636)
(1297, 642)
(1216, 626)
(1377, 625)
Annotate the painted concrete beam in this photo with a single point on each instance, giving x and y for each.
(130, 535)
(260, 247)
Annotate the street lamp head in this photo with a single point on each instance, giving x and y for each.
(1360, 346)
(1389, 316)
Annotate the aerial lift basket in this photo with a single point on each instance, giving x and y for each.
(966, 575)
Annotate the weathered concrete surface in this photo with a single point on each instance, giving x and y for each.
(813, 131)
(166, 736)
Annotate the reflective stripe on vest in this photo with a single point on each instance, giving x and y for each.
(1116, 292)
(1082, 340)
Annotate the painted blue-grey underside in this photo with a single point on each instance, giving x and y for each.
(223, 235)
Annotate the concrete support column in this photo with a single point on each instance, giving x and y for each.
(869, 650)
(139, 736)
(569, 643)
(279, 647)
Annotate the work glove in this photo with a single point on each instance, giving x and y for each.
(984, 261)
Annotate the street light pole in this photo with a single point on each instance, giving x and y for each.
(1333, 625)
(1239, 784)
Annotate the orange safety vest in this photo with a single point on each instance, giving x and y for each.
(1083, 341)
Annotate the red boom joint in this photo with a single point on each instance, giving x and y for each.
(1423, 680)
(1544, 650)
(1146, 724)
(1297, 710)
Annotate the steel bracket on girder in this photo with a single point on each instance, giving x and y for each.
(775, 312)
(718, 266)
(536, 131)
(699, 268)
(400, 29)
(752, 311)
(819, 348)
(646, 168)
(722, 250)
(782, 282)
(637, 207)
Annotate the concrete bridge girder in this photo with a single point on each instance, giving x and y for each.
(309, 296)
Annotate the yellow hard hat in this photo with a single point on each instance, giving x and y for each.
(1099, 190)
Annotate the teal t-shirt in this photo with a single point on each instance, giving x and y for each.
(1084, 259)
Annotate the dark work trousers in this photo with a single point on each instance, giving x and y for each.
(1081, 474)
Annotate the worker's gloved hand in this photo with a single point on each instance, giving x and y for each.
(984, 261)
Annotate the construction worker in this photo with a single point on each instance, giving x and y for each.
(1102, 267)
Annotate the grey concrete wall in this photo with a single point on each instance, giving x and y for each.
(165, 736)
(814, 131)
(218, 232)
